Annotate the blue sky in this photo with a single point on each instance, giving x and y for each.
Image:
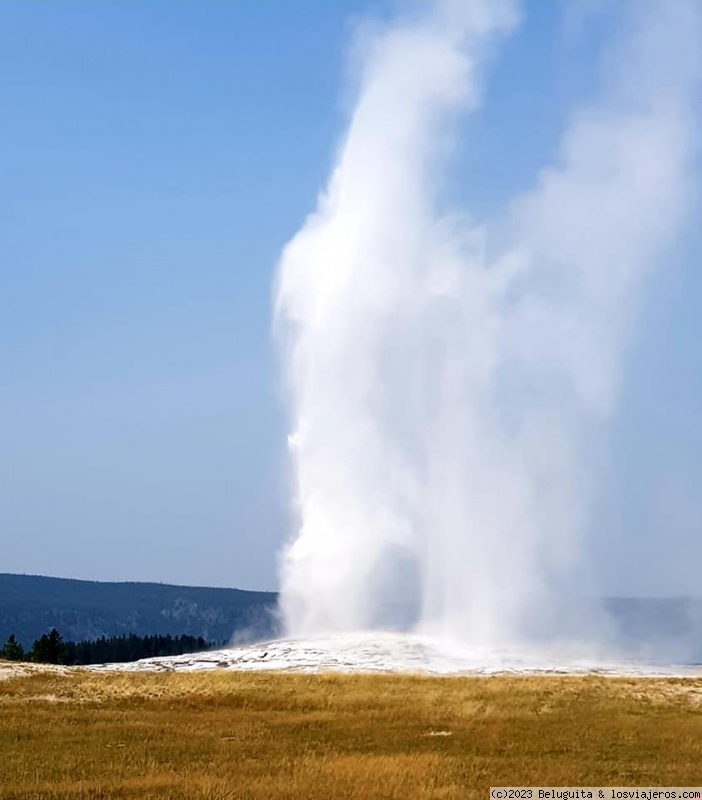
(154, 159)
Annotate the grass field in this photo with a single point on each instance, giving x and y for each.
(271, 736)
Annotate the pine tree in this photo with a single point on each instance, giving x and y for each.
(48, 649)
(12, 650)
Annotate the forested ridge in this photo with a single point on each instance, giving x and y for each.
(90, 610)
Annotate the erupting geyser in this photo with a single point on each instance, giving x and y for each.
(447, 376)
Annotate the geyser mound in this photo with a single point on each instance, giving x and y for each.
(387, 652)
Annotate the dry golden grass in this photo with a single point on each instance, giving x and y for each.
(273, 736)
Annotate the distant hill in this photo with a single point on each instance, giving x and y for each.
(661, 627)
(31, 605)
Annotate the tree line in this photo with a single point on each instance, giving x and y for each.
(50, 648)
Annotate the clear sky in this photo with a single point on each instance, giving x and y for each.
(154, 159)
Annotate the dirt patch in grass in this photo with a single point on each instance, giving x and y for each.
(14, 669)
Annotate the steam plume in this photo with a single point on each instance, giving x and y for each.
(446, 378)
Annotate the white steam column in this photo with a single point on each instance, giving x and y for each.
(446, 378)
